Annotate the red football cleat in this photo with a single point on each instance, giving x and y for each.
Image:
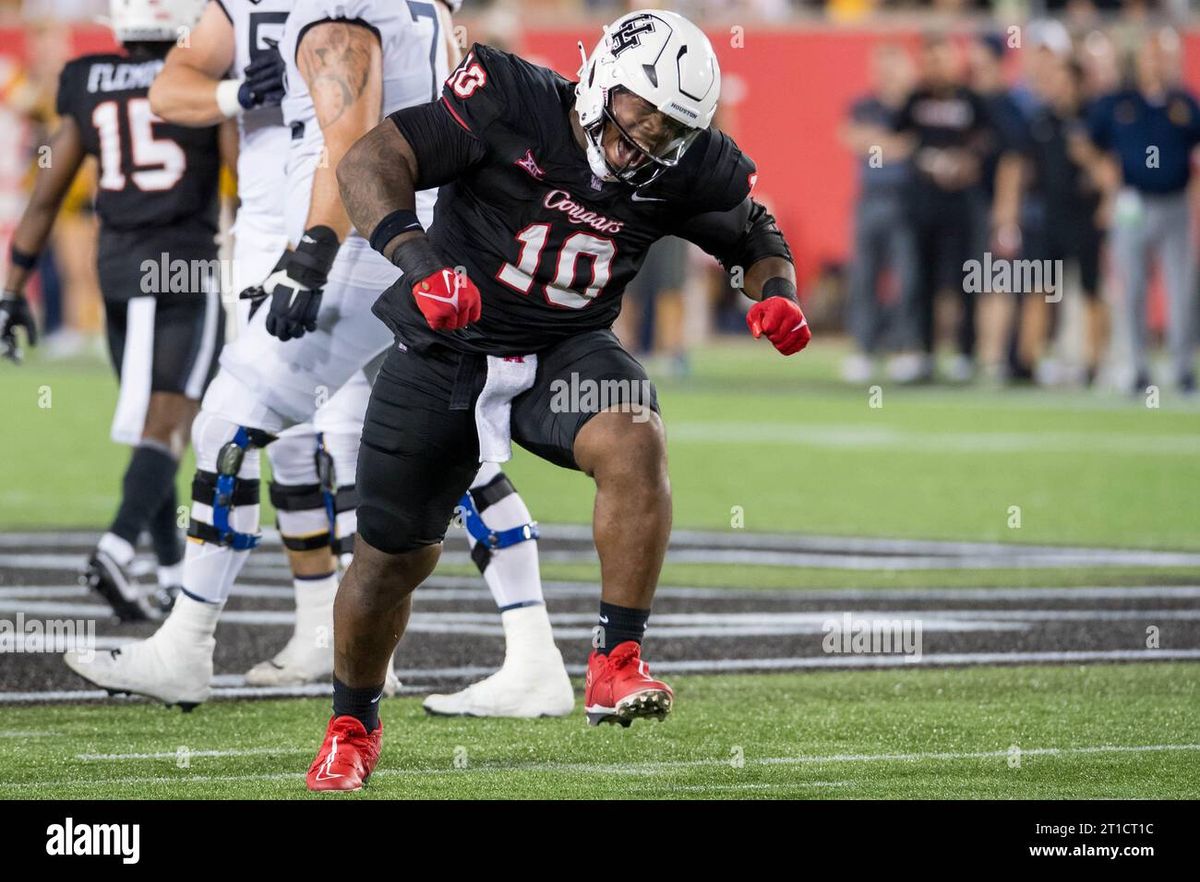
(620, 688)
(348, 756)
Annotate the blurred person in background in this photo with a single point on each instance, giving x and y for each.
(658, 298)
(66, 270)
(1057, 177)
(1145, 135)
(1047, 42)
(883, 238)
(1000, 170)
(950, 132)
(1101, 65)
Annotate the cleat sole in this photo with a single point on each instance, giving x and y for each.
(651, 704)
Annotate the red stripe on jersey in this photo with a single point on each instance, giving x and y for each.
(454, 114)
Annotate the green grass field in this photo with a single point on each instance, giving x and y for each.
(992, 732)
(791, 450)
(779, 438)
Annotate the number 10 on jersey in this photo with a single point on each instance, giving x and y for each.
(560, 291)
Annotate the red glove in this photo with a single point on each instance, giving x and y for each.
(448, 300)
(782, 321)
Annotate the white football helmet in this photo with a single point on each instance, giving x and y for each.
(152, 21)
(666, 61)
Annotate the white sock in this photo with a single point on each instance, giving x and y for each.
(512, 574)
(314, 609)
(191, 621)
(527, 634)
(116, 548)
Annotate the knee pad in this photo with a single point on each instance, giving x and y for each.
(227, 487)
(300, 515)
(317, 514)
(292, 459)
(487, 541)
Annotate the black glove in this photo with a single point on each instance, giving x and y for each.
(296, 288)
(262, 79)
(15, 313)
(256, 294)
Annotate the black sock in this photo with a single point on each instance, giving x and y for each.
(150, 474)
(362, 704)
(165, 532)
(618, 624)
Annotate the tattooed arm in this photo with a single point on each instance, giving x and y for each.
(342, 65)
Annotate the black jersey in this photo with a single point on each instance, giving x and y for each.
(550, 246)
(151, 174)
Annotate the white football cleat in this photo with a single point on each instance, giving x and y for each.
(286, 670)
(299, 662)
(174, 666)
(308, 655)
(532, 682)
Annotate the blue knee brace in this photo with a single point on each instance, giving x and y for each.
(479, 499)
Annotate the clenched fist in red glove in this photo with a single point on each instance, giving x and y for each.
(448, 299)
(782, 321)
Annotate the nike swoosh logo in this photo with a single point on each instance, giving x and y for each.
(376, 698)
(604, 620)
(323, 774)
(637, 198)
(453, 298)
(798, 327)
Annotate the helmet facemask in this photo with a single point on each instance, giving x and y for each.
(649, 150)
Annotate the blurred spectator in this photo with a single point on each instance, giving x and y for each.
(1001, 163)
(1059, 182)
(69, 292)
(949, 129)
(657, 294)
(1147, 133)
(883, 239)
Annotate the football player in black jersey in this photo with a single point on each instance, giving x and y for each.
(551, 194)
(157, 204)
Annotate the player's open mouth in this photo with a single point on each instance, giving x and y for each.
(636, 163)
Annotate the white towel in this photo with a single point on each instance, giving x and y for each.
(506, 379)
(137, 368)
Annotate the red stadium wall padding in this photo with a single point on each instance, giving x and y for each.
(786, 91)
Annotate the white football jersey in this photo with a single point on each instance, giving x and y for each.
(264, 139)
(414, 68)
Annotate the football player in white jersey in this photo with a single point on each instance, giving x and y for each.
(348, 64)
(312, 464)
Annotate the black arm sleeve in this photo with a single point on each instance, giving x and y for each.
(741, 236)
(444, 149)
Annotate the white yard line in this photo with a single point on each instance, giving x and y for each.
(184, 750)
(186, 776)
